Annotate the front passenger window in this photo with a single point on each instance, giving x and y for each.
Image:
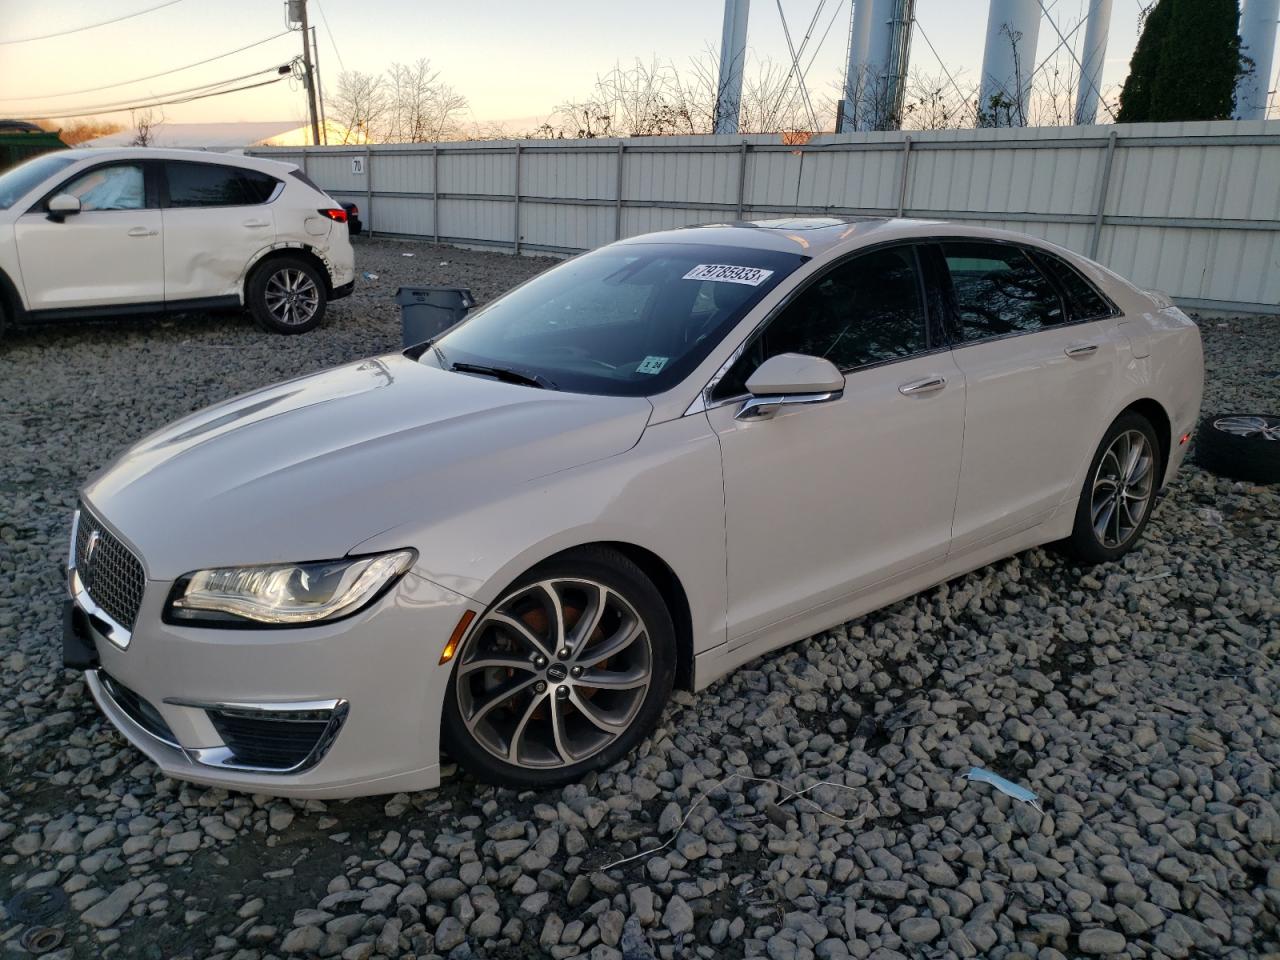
(999, 291)
(118, 187)
(864, 311)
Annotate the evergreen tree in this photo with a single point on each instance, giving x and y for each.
(1186, 63)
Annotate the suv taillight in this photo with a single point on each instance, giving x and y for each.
(336, 214)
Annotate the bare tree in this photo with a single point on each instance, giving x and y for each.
(360, 105)
(936, 102)
(421, 107)
(657, 99)
(144, 123)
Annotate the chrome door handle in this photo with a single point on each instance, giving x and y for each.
(256, 223)
(142, 232)
(1081, 350)
(928, 385)
(763, 408)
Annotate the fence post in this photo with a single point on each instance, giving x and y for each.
(515, 215)
(742, 177)
(368, 186)
(617, 207)
(1100, 202)
(304, 163)
(435, 192)
(906, 173)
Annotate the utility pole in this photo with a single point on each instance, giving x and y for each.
(300, 6)
(324, 124)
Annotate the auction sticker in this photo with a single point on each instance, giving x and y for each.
(728, 273)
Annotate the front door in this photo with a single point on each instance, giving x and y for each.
(111, 252)
(827, 500)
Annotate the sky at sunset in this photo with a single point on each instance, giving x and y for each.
(512, 60)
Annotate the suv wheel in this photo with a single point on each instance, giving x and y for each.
(287, 295)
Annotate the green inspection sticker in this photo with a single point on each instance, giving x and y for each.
(652, 365)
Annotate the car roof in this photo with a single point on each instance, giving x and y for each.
(276, 167)
(823, 236)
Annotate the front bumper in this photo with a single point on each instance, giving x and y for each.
(195, 699)
(343, 291)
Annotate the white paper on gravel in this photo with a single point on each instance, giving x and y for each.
(1007, 787)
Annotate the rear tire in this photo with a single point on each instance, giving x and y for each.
(287, 295)
(1119, 492)
(1242, 446)
(552, 709)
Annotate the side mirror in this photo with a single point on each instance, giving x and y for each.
(790, 379)
(63, 205)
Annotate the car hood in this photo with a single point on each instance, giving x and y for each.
(307, 469)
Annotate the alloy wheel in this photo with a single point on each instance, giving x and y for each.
(1122, 487)
(1267, 428)
(554, 673)
(292, 296)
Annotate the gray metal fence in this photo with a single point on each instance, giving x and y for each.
(1191, 208)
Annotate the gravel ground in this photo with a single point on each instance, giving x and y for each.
(1139, 699)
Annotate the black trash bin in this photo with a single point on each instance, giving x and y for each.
(426, 312)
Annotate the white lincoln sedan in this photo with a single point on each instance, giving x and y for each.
(635, 472)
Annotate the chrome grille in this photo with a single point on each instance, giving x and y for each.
(112, 575)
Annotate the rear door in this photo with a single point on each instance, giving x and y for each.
(217, 219)
(1039, 387)
(110, 253)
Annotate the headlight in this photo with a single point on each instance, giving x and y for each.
(287, 593)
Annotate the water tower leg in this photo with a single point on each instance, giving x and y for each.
(733, 54)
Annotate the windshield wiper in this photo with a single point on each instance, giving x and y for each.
(505, 374)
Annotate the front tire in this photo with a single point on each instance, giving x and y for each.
(566, 673)
(1119, 492)
(287, 295)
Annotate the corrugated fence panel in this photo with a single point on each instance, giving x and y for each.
(565, 226)
(485, 220)
(409, 216)
(481, 172)
(585, 175)
(1189, 208)
(403, 173)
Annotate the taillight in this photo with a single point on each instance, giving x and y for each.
(336, 214)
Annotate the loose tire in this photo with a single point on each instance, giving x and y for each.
(567, 672)
(1119, 492)
(1243, 446)
(287, 295)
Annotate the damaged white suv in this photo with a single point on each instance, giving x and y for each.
(99, 233)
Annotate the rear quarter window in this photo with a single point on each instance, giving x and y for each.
(1084, 300)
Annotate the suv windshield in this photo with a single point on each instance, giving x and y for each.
(22, 179)
(626, 320)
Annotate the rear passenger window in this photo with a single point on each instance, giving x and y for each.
(215, 185)
(999, 291)
(1083, 300)
(259, 187)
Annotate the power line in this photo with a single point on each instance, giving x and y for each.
(925, 37)
(165, 103)
(150, 76)
(92, 26)
(338, 53)
(116, 105)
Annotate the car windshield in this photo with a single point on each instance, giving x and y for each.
(626, 320)
(22, 179)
